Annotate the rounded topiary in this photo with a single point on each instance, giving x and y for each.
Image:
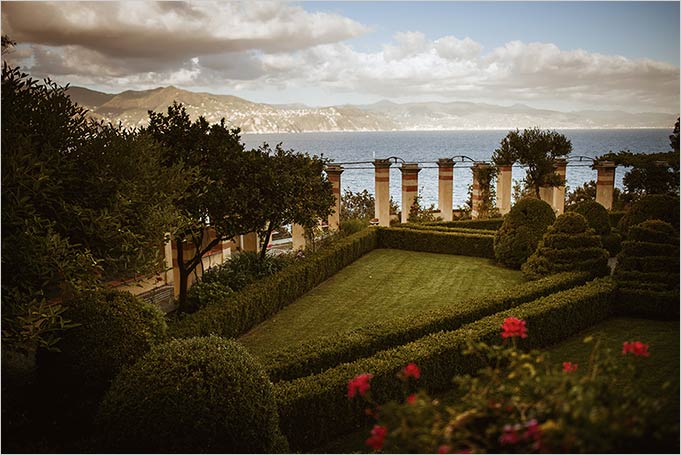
(192, 395)
(521, 231)
(568, 245)
(114, 329)
(651, 207)
(596, 215)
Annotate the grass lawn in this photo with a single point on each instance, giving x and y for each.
(662, 366)
(381, 285)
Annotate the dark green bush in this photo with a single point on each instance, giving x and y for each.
(490, 224)
(647, 271)
(464, 244)
(315, 408)
(612, 242)
(581, 250)
(192, 396)
(651, 207)
(523, 228)
(426, 227)
(260, 300)
(596, 215)
(615, 217)
(353, 225)
(315, 356)
(116, 328)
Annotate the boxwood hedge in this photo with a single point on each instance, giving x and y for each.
(241, 311)
(426, 227)
(491, 224)
(315, 356)
(464, 244)
(315, 409)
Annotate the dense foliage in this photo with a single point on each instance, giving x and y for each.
(420, 214)
(596, 215)
(536, 150)
(81, 202)
(521, 231)
(647, 270)
(189, 396)
(527, 402)
(433, 241)
(650, 173)
(360, 205)
(568, 245)
(587, 192)
(651, 207)
(488, 225)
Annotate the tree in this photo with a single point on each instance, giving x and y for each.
(674, 138)
(224, 196)
(7, 44)
(358, 205)
(536, 149)
(650, 173)
(81, 202)
(292, 189)
(587, 192)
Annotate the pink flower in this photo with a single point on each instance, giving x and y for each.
(635, 348)
(532, 430)
(569, 367)
(510, 435)
(411, 399)
(513, 327)
(411, 371)
(359, 384)
(378, 433)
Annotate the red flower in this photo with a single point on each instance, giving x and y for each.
(378, 433)
(411, 371)
(411, 399)
(510, 435)
(635, 348)
(569, 367)
(533, 431)
(359, 384)
(513, 327)
(444, 449)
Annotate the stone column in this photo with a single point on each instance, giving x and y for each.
(298, 237)
(546, 194)
(333, 172)
(410, 187)
(558, 203)
(504, 188)
(605, 184)
(445, 185)
(477, 191)
(250, 242)
(382, 191)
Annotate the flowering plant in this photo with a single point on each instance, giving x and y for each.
(526, 403)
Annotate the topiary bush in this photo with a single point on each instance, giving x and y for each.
(192, 395)
(647, 271)
(115, 329)
(568, 245)
(596, 215)
(521, 231)
(651, 207)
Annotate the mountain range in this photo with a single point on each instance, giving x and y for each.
(130, 108)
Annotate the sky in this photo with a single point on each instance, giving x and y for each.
(554, 55)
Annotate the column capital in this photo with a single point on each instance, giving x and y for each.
(481, 164)
(410, 168)
(334, 169)
(445, 162)
(382, 163)
(605, 164)
(560, 162)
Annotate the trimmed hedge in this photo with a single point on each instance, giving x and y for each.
(477, 245)
(491, 224)
(315, 409)
(115, 329)
(424, 227)
(313, 357)
(596, 215)
(651, 207)
(192, 396)
(259, 301)
(647, 271)
(523, 228)
(568, 245)
(615, 217)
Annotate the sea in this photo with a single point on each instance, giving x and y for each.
(426, 147)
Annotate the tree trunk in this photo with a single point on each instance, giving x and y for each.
(266, 241)
(186, 268)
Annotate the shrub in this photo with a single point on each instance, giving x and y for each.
(612, 242)
(438, 228)
(315, 356)
(477, 245)
(116, 328)
(314, 409)
(193, 395)
(568, 245)
(596, 215)
(647, 271)
(615, 216)
(260, 300)
(353, 225)
(523, 228)
(651, 207)
(491, 224)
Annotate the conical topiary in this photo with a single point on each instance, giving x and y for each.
(568, 245)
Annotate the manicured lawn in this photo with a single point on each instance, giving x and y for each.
(383, 284)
